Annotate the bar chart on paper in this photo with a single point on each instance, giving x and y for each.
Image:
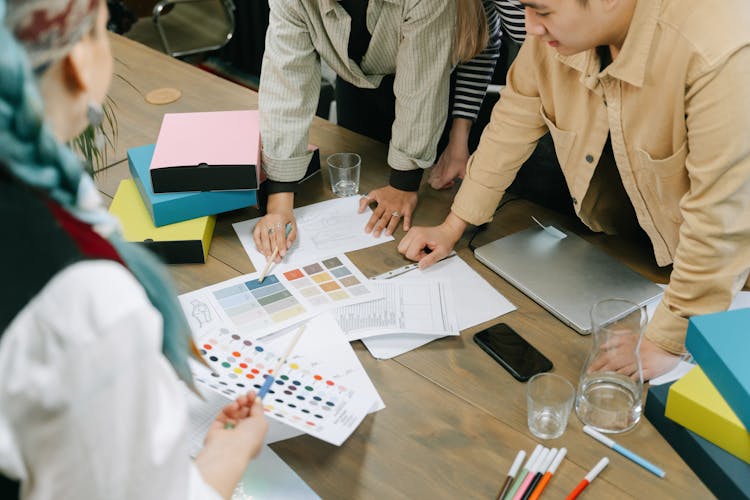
(407, 307)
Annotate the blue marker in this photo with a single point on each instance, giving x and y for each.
(623, 451)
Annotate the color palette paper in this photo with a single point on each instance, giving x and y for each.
(255, 309)
(321, 389)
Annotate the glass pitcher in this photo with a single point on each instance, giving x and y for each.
(610, 390)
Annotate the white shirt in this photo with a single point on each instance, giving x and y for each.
(89, 406)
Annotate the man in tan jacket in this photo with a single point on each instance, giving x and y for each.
(648, 103)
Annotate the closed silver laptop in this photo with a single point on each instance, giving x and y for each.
(565, 275)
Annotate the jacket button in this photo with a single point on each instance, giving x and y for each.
(589, 158)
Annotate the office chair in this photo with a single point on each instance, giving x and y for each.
(194, 16)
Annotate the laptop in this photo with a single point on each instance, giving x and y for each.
(564, 273)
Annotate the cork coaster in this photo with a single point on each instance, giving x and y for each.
(163, 96)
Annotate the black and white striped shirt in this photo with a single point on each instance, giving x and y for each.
(473, 77)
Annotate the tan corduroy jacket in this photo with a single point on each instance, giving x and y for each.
(676, 102)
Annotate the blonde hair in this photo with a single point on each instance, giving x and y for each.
(472, 32)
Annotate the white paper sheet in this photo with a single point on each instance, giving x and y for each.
(408, 306)
(321, 390)
(244, 306)
(476, 302)
(327, 228)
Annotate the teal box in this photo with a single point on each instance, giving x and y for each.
(168, 208)
(720, 344)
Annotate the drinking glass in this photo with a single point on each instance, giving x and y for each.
(343, 169)
(549, 399)
(610, 389)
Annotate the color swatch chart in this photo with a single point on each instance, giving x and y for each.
(324, 398)
(255, 309)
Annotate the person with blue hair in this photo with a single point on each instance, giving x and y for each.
(93, 342)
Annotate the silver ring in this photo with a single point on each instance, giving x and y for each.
(395, 214)
(277, 225)
(270, 230)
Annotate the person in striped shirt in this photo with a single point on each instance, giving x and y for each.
(393, 59)
(505, 24)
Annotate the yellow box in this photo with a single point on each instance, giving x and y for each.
(694, 403)
(181, 243)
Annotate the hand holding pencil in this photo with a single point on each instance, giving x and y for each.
(277, 229)
(275, 254)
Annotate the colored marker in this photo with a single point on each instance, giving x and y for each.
(521, 475)
(511, 474)
(548, 475)
(541, 470)
(272, 376)
(532, 472)
(588, 478)
(623, 451)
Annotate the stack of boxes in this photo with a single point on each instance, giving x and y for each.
(706, 414)
(202, 164)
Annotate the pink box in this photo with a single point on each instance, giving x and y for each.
(208, 151)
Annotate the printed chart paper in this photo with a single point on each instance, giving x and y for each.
(253, 309)
(421, 307)
(476, 302)
(322, 389)
(330, 227)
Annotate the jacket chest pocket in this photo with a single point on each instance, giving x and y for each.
(665, 181)
(563, 140)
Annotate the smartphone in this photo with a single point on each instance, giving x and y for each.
(509, 349)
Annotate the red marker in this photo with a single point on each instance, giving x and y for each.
(588, 478)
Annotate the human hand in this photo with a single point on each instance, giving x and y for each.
(234, 438)
(450, 165)
(617, 356)
(428, 245)
(242, 423)
(392, 205)
(270, 231)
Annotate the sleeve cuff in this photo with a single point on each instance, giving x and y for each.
(667, 329)
(475, 203)
(406, 180)
(286, 169)
(273, 187)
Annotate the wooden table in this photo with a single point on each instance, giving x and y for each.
(454, 419)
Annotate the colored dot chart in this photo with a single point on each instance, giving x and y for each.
(318, 398)
(282, 299)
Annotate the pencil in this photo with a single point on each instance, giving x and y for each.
(272, 376)
(541, 470)
(269, 262)
(511, 474)
(548, 475)
(623, 451)
(588, 478)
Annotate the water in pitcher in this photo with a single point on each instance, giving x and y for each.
(609, 402)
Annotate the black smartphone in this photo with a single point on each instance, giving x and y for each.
(509, 349)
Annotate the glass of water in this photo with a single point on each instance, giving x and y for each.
(549, 400)
(610, 390)
(343, 170)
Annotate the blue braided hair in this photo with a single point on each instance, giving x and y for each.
(32, 155)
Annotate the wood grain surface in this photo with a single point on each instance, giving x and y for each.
(454, 419)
